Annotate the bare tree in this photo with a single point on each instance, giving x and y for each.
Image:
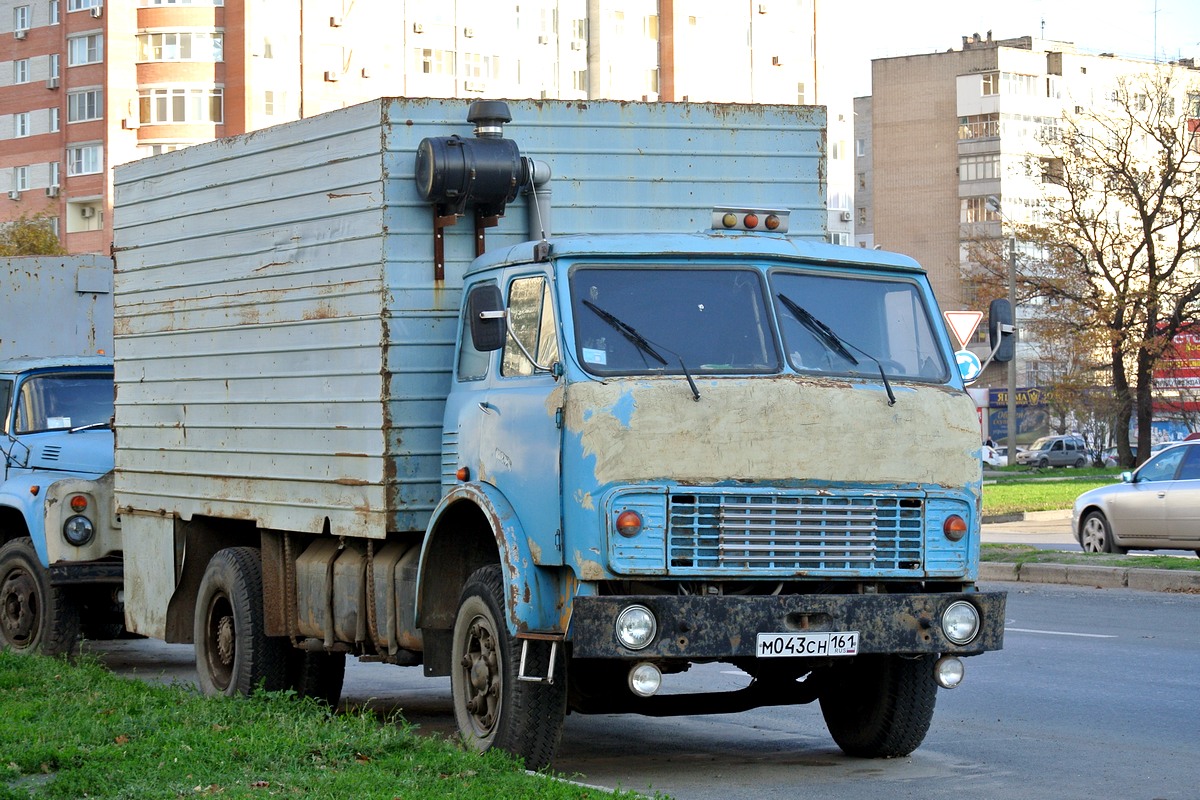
(1119, 242)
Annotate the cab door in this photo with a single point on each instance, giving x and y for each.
(520, 440)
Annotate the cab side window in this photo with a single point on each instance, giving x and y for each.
(472, 363)
(531, 321)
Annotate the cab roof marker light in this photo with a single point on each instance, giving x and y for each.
(725, 218)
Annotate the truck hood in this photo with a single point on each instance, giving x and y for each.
(780, 429)
(88, 452)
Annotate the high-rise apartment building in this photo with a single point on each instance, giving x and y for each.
(88, 84)
(954, 147)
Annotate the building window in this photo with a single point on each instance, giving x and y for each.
(54, 65)
(268, 51)
(80, 5)
(979, 168)
(55, 13)
(85, 159)
(862, 215)
(21, 18)
(21, 70)
(21, 178)
(652, 81)
(979, 126)
(977, 209)
(54, 121)
(85, 49)
(579, 80)
(181, 46)
(479, 66)
(991, 83)
(21, 125)
(269, 103)
(436, 62)
(860, 147)
(146, 150)
(1193, 105)
(86, 105)
(54, 173)
(174, 105)
(651, 27)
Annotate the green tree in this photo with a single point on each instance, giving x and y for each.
(30, 236)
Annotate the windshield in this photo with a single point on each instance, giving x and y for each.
(64, 400)
(854, 325)
(672, 321)
(1042, 444)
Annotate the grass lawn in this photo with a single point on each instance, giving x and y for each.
(75, 730)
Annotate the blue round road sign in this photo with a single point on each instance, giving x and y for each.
(968, 365)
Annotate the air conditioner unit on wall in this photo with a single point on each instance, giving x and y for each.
(51, 191)
(20, 33)
(846, 216)
(96, 12)
(87, 212)
(331, 75)
(131, 123)
(51, 83)
(14, 195)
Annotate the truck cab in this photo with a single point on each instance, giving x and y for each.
(60, 565)
(727, 446)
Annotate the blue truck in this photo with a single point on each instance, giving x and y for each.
(557, 413)
(60, 549)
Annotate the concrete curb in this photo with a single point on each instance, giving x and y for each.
(1147, 580)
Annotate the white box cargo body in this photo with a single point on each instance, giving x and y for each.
(283, 350)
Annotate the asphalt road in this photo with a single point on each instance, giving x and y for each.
(1094, 696)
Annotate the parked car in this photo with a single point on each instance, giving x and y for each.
(1111, 458)
(1055, 451)
(992, 457)
(1155, 507)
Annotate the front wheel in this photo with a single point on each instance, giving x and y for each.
(880, 706)
(34, 616)
(233, 653)
(491, 706)
(1096, 535)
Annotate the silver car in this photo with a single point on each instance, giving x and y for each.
(1055, 451)
(1155, 507)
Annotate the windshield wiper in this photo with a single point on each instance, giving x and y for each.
(91, 426)
(628, 331)
(832, 341)
(642, 344)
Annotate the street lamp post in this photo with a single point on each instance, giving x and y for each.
(1012, 362)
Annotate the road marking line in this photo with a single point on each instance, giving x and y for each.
(1064, 633)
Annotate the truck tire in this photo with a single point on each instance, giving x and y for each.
(317, 675)
(880, 706)
(34, 616)
(493, 708)
(233, 653)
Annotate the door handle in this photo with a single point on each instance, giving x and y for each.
(486, 408)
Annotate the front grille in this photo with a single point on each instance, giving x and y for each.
(750, 533)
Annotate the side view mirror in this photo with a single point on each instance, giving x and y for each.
(485, 310)
(1002, 333)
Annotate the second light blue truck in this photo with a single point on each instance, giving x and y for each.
(557, 402)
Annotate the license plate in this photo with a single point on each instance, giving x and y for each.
(792, 645)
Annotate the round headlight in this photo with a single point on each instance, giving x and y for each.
(78, 530)
(636, 627)
(960, 622)
(645, 679)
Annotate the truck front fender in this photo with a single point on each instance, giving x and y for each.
(456, 544)
(18, 494)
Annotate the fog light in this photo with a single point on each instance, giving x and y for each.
(960, 622)
(948, 672)
(636, 627)
(78, 530)
(645, 679)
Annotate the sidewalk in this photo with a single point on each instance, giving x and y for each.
(1054, 527)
